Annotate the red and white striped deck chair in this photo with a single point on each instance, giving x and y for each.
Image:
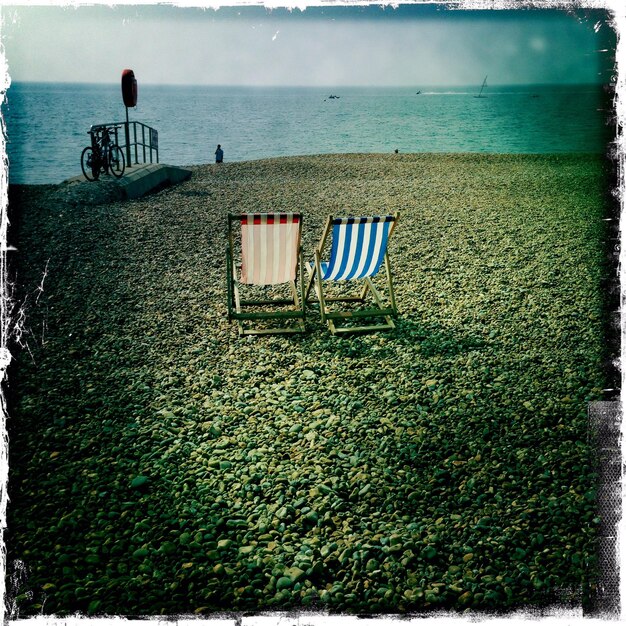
(265, 253)
(357, 252)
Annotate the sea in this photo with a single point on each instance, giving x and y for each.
(47, 124)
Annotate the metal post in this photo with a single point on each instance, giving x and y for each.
(127, 133)
(135, 141)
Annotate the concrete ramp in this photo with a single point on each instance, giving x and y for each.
(140, 180)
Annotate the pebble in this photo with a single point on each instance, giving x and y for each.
(284, 582)
(139, 481)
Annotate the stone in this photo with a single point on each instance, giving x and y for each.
(294, 573)
(284, 582)
(139, 481)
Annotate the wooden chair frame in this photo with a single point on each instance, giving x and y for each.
(330, 317)
(242, 310)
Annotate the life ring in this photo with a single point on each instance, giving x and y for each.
(129, 88)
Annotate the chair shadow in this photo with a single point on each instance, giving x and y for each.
(428, 339)
(434, 340)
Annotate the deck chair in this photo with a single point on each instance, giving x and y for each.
(267, 246)
(358, 249)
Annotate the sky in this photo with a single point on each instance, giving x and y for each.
(411, 45)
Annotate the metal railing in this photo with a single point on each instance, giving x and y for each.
(142, 142)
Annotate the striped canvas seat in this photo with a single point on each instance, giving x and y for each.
(358, 247)
(269, 247)
(268, 251)
(357, 252)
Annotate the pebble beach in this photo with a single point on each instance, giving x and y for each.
(162, 465)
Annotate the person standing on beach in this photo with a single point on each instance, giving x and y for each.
(219, 154)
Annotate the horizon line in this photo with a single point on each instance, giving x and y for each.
(300, 86)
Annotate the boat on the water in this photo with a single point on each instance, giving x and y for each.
(480, 93)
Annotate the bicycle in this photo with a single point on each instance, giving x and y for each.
(103, 155)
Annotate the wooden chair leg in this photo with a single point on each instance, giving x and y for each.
(311, 270)
(392, 295)
(320, 288)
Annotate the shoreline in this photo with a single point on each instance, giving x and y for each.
(391, 153)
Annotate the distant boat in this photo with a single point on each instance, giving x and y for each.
(334, 97)
(417, 93)
(480, 93)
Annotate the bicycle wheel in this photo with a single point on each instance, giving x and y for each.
(116, 161)
(88, 164)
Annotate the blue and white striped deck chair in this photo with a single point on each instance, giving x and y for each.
(357, 252)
